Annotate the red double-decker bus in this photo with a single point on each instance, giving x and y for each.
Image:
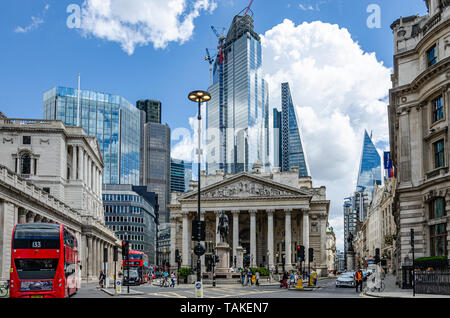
(44, 262)
(137, 266)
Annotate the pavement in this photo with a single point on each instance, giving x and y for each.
(393, 291)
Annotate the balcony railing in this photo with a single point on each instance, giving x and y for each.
(431, 23)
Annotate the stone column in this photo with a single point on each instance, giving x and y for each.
(235, 233)
(306, 232)
(186, 240)
(80, 163)
(22, 216)
(173, 239)
(218, 213)
(252, 237)
(74, 163)
(90, 259)
(99, 183)
(30, 217)
(270, 238)
(85, 168)
(288, 247)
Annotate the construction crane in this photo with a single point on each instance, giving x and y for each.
(222, 39)
(248, 8)
(211, 62)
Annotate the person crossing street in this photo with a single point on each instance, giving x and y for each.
(358, 280)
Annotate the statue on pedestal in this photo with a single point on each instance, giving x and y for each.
(350, 243)
(223, 227)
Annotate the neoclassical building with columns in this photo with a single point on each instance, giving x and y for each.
(52, 173)
(269, 215)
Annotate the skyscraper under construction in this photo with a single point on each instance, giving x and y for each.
(237, 117)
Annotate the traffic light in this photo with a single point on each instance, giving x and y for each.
(311, 254)
(125, 250)
(177, 256)
(116, 254)
(105, 255)
(198, 230)
(377, 255)
(301, 252)
(412, 237)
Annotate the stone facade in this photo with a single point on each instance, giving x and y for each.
(419, 134)
(331, 250)
(269, 214)
(52, 173)
(378, 229)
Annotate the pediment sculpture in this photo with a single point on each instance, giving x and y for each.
(247, 188)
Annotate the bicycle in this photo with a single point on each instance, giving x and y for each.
(4, 289)
(372, 286)
(164, 282)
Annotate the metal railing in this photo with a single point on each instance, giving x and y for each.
(433, 283)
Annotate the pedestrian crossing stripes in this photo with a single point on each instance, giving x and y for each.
(212, 293)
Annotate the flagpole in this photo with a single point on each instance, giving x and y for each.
(78, 101)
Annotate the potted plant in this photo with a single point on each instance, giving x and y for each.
(184, 272)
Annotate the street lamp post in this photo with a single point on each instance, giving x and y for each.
(199, 97)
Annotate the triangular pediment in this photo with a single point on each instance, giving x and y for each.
(244, 186)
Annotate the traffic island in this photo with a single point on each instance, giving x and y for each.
(112, 292)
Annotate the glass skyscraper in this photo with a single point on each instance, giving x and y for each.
(237, 117)
(117, 124)
(152, 109)
(180, 175)
(156, 165)
(369, 172)
(288, 145)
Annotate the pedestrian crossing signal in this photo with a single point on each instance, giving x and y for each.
(300, 251)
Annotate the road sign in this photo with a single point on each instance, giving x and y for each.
(198, 290)
(199, 250)
(118, 286)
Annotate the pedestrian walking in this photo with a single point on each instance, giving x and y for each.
(314, 275)
(242, 276)
(358, 280)
(284, 281)
(101, 279)
(249, 277)
(257, 278)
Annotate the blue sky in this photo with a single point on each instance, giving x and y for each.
(39, 52)
(52, 54)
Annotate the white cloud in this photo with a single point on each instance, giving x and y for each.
(35, 22)
(339, 91)
(140, 22)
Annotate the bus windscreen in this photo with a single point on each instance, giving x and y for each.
(36, 236)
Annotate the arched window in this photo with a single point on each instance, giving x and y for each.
(25, 164)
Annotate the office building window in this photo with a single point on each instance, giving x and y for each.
(437, 208)
(438, 239)
(439, 160)
(25, 167)
(432, 56)
(26, 140)
(438, 109)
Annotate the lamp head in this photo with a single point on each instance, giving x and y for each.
(199, 96)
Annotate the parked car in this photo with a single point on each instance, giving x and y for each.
(346, 279)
